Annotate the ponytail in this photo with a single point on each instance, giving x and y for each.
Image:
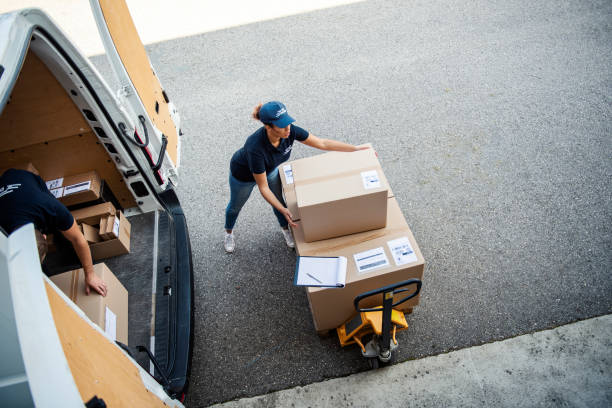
(255, 113)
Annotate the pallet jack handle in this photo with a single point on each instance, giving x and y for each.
(386, 289)
(388, 305)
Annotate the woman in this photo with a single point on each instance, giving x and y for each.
(257, 163)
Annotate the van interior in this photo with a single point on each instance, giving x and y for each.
(42, 124)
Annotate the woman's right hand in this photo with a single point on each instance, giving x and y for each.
(288, 217)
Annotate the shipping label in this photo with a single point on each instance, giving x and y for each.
(110, 324)
(371, 259)
(75, 188)
(288, 173)
(57, 192)
(52, 184)
(370, 179)
(116, 227)
(402, 251)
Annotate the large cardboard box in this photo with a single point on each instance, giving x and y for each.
(76, 189)
(117, 246)
(375, 259)
(91, 215)
(336, 193)
(110, 312)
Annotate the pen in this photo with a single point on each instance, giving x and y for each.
(313, 277)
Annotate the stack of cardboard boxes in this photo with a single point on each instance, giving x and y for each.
(106, 230)
(345, 207)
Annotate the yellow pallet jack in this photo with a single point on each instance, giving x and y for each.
(381, 322)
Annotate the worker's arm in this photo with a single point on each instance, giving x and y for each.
(262, 183)
(328, 144)
(76, 238)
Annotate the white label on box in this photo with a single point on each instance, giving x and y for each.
(401, 251)
(57, 192)
(371, 259)
(116, 227)
(51, 184)
(288, 173)
(110, 324)
(75, 188)
(370, 179)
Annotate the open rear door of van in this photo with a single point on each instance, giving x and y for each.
(155, 123)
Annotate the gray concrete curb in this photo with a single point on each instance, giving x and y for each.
(566, 366)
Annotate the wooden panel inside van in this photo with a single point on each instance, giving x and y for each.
(137, 64)
(42, 125)
(98, 367)
(39, 109)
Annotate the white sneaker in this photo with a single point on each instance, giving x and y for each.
(229, 243)
(288, 238)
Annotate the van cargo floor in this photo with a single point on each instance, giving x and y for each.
(135, 271)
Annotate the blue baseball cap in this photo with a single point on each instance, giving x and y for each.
(275, 113)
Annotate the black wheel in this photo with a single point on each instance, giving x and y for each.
(373, 362)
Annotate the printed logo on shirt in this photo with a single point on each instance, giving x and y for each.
(8, 189)
(288, 149)
(280, 112)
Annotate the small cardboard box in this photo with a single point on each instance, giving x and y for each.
(117, 246)
(76, 189)
(109, 312)
(91, 215)
(375, 259)
(109, 227)
(90, 233)
(336, 193)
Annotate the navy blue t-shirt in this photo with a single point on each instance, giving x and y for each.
(258, 155)
(25, 198)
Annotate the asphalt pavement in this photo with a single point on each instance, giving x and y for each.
(493, 125)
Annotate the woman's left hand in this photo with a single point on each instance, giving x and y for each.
(288, 217)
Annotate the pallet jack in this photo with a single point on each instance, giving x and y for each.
(377, 322)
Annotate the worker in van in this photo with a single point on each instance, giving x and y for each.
(25, 198)
(256, 163)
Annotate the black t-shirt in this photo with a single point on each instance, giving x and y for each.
(258, 155)
(25, 198)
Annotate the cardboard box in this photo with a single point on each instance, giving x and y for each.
(90, 233)
(336, 193)
(76, 189)
(109, 227)
(109, 312)
(21, 166)
(91, 215)
(331, 307)
(117, 246)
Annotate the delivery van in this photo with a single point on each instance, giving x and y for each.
(60, 117)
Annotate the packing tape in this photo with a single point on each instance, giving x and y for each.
(348, 173)
(74, 285)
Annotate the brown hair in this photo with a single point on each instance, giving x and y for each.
(41, 243)
(255, 113)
